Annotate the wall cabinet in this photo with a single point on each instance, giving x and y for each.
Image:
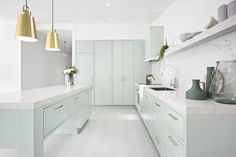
(154, 42)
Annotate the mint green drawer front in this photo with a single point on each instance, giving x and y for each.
(74, 104)
(160, 146)
(176, 122)
(173, 144)
(54, 116)
(158, 118)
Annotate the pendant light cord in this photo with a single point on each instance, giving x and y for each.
(52, 13)
(26, 4)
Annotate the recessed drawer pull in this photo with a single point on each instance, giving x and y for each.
(157, 140)
(157, 105)
(172, 141)
(76, 98)
(172, 116)
(58, 107)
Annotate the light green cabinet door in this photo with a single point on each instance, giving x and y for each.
(103, 72)
(85, 64)
(128, 72)
(118, 68)
(84, 46)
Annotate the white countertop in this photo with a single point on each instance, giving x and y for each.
(177, 101)
(36, 98)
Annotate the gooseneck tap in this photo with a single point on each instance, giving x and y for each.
(149, 78)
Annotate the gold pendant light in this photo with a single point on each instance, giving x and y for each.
(52, 41)
(25, 29)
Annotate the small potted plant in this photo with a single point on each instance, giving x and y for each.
(70, 75)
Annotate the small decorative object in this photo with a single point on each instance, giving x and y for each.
(222, 13)
(196, 92)
(231, 9)
(223, 87)
(212, 22)
(209, 80)
(162, 51)
(70, 75)
(186, 36)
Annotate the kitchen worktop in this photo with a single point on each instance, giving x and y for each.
(35, 98)
(177, 101)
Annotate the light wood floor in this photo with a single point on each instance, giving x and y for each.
(110, 132)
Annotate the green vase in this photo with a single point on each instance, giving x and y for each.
(196, 92)
(209, 80)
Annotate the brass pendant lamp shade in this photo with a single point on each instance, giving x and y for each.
(26, 29)
(52, 41)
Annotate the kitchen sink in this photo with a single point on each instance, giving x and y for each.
(162, 89)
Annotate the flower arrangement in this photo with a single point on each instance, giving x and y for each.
(70, 72)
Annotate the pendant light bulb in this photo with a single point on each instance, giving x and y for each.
(52, 41)
(25, 28)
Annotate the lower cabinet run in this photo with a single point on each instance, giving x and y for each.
(185, 135)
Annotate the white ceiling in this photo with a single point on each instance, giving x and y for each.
(92, 11)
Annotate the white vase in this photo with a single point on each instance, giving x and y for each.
(70, 80)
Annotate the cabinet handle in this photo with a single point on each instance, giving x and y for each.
(157, 104)
(171, 115)
(58, 107)
(172, 140)
(76, 98)
(157, 140)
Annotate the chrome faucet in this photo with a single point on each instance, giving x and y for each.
(173, 81)
(149, 79)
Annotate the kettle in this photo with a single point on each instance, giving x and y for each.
(223, 86)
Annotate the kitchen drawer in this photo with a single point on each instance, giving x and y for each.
(160, 146)
(54, 116)
(173, 144)
(74, 104)
(158, 117)
(176, 122)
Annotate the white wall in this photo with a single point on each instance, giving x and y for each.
(43, 68)
(189, 16)
(108, 31)
(10, 59)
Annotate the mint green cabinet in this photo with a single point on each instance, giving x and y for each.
(54, 116)
(80, 110)
(187, 135)
(103, 73)
(128, 59)
(84, 46)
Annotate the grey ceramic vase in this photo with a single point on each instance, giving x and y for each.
(196, 92)
(231, 9)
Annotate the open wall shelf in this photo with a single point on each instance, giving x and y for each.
(219, 30)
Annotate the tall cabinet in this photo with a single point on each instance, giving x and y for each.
(103, 73)
(123, 72)
(113, 66)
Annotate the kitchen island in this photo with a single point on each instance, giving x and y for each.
(30, 116)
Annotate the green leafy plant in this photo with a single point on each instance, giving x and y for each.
(162, 51)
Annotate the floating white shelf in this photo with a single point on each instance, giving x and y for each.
(219, 30)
